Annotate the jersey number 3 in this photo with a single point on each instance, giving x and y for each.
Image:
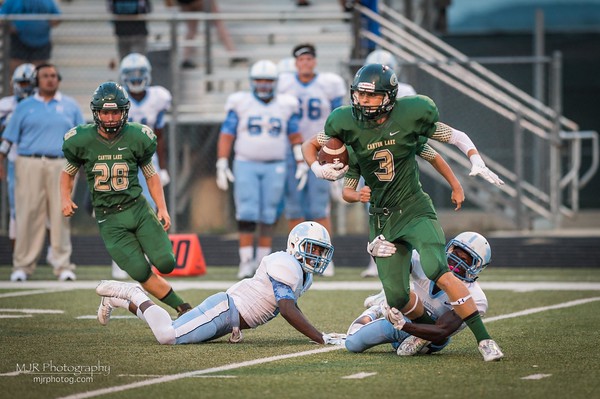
(113, 178)
(386, 165)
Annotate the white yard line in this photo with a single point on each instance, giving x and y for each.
(174, 377)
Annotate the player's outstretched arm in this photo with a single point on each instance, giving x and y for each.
(293, 315)
(447, 134)
(66, 188)
(444, 326)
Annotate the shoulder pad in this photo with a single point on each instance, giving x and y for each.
(284, 268)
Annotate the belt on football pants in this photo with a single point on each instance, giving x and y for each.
(41, 156)
(384, 211)
(116, 208)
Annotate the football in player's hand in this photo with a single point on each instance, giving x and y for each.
(334, 151)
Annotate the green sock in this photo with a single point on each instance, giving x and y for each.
(172, 299)
(475, 323)
(424, 319)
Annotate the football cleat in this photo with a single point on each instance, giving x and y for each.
(67, 275)
(371, 270)
(118, 289)
(411, 346)
(18, 275)
(246, 269)
(374, 300)
(106, 307)
(490, 350)
(236, 336)
(117, 272)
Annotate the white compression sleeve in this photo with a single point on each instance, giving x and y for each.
(461, 141)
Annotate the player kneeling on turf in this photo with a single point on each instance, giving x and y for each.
(279, 281)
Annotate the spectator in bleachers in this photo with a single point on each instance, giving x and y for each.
(132, 36)
(30, 41)
(192, 29)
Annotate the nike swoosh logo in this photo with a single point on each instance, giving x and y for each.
(121, 148)
(394, 133)
(102, 221)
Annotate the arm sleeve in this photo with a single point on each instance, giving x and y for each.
(281, 290)
(447, 134)
(427, 152)
(229, 126)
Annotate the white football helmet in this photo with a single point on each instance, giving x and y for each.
(477, 247)
(287, 64)
(309, 242)
(135, 72)
(23, 81)
(264, 70)
(383, 57)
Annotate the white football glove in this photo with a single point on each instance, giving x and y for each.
(301, 175)
(334, 339)
(478, 168)
(236, 336)
(394, 316)
(380, 247)
(329, 171)
(224, 174)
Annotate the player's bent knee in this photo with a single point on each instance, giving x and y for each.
(165, 263)
(139, 274)
(353, 344)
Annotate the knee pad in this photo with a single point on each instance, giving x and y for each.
(266, 230)
(246, 227)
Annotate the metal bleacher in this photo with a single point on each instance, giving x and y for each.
(84, 46)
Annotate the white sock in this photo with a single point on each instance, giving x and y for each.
(261, 252)
(246, 254)
(161, 325)
(139, 297)
(140, 314)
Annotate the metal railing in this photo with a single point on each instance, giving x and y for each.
(531, 191)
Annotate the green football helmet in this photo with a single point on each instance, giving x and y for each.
(108, 96)
(374, 78)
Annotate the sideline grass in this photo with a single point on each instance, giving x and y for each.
(560, 343)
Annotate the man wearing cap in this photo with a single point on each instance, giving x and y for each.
(307, 197)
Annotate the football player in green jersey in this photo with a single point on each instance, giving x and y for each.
(110, 151)
(385, 133)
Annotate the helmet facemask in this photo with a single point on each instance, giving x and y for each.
(135, 72)
(476, 247)
(23, 81)
(110, 96)
(136, 80)
(263, 79)
(373, 78)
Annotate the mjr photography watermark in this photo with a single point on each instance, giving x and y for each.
(62, 373)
